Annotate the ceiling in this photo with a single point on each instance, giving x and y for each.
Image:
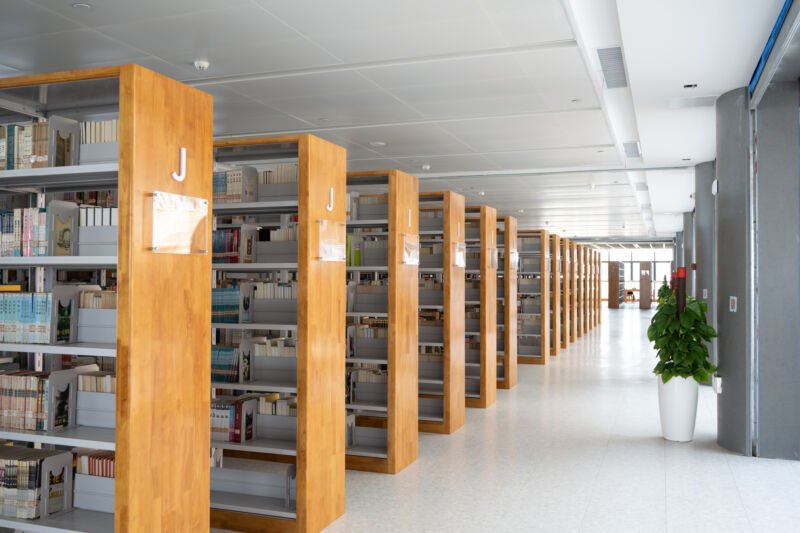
(479, 96)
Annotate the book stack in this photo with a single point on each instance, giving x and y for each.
(367, 373)
(273, 404)
(99, 216)
(103, 198)
(225, 245)
(24, 398)
(278, 347)
(224, 364)
(22, 472)
(25, 317)
(24, 232)
(98, 299)
(99, 463)
(282, 290)
(225, 305)
(98, 382)
(236, 185)
(279, 173)
(233, 419)
(101, 131)
(283, 234)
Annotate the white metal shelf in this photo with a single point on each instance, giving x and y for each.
(78, 348)
(76, 436)
(367, 223)
(261, 385)
(249, 326)
(246, 503)
(363, 450)
(252, 267)
(260, 445)
(255, 208)
(59, 177)
(74, 521)
(62, 262)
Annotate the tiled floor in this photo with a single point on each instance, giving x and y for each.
(576, 447)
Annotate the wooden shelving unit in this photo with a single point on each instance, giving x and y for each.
(163, 303)
(645, 284)
(587, 285)
(441, 346)
(574, 292)
(580, 268)
(556, 275)
(566, 292)
(480, 295)
(507, 296)
(616, 284)
(314, 442)
(533, 333)
(385, 440)
(598, 287)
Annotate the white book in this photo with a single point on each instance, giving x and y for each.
(115, 216)
(106, 216)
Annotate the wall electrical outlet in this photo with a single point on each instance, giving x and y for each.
(705, 293)
(733, 304)
(716, 384)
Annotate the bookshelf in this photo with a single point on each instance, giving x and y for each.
(573, 292)
(480, 295)
(441, 299)
(533, 297)
(384, 441)
(162, 480)
(598, 300)
(555, 294)
(645, 284)
(290, 475)
(507, 296)
(587, 297)
(616, 284)
(580, 292)
(566, 292)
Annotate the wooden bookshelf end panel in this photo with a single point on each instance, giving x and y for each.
(454, 371)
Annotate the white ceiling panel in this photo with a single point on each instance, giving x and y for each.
(200, 31)
(65, 51)
(365, 30)
(23, 19)
(550, 130)
(105, 12)
(361, 165)
(602, 156)
(234, 112)
(561, 78)
(520, 21)
(413, 141)
(671, 191)
(446, 163)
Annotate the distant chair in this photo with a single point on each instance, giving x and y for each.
(629, 296)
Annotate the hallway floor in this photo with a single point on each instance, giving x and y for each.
(576, 447)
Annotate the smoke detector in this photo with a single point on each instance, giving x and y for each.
(202, 64)
(426, 167)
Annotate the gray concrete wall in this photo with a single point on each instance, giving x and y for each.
(733, 218)
(688, 251)
(705, 244)
(778, 281)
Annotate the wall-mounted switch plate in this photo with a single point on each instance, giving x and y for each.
(716, 384)
(733, 304)
(705, 293)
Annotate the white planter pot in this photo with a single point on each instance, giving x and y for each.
(677, 406)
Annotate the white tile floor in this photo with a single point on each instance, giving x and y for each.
(576, 447)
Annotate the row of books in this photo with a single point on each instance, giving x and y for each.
(28, 145)
(279, 173)
(240, 184)
(356, 247)
(24, 398)
(278, 347)
(366, 373)
(98, 382)
(225, 305)
(233, 418)
(100, 131)
(25, 317)
(24, 232)
(99, 463)
(277, 404)
(224, 364)
(282, 290)
(25, 481)
(98, 216)
(93, 299)
(283, 234)
(103, 198)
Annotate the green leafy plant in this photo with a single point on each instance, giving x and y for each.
(681, 340)
(663, 292)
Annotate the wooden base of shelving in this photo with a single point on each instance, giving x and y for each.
(523, 360)
(368, 464)
(258, 456)
(251, 523)
(503, 385)
(478, 403)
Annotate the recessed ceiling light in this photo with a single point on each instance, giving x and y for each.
(377, 144)
(202, 64)
(690, 86)
(426, 166)
(482, 193)
(81, 5)
(521, 210)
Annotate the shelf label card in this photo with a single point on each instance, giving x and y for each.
(179, 224)
(410, 249)
(460, 255)
(332, 240)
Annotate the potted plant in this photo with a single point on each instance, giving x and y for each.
(663, 292)
(680, 336)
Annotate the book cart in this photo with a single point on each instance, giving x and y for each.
(289, 475)
(533, 333)
(566, 292)
(156, 337)
(441, 312)
(382, 316)
(574, 315)
(507, 296)
(480, 300)
(556, 276)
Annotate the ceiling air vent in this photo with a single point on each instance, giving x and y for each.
(632, 149)
(613, 67)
